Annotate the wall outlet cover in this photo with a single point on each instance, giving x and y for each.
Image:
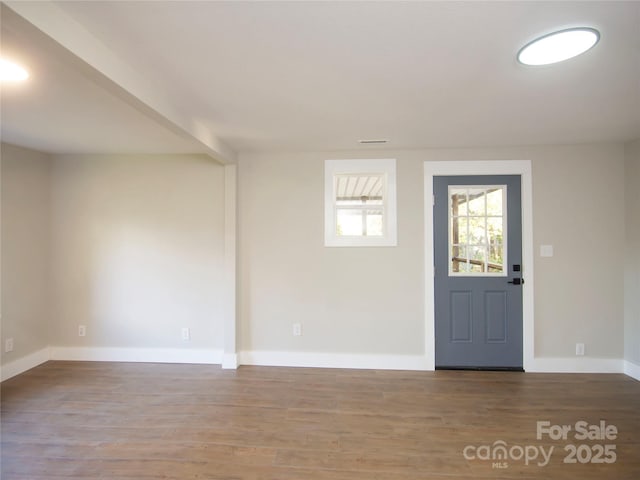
(186, 334)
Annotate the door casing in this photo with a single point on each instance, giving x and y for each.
(498, 167)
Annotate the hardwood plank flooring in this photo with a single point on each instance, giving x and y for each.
(123, 421)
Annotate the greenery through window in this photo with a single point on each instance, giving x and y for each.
(477, 229)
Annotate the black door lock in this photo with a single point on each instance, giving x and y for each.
(517, 281)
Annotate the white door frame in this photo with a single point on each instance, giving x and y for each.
(499, 167)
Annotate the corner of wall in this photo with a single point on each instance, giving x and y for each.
(21, 365)
(25, 214)
(632, 369)
(632, 263)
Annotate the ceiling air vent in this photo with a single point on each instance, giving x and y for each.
(376, 141)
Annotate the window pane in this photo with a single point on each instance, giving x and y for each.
(496, 260)
(494, 230)
(477, 229)
(349, 222)
(458, 258)
(477, 201)
(477, 259)
(459, 230)
(458, 201)
(359, 189)
(359, 222)
(496, 244)
(462, 265)
(494, 202)
(374, 223)
(360, 203)
(477, 232)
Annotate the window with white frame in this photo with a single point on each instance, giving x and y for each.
(478, 230)
(360, 203)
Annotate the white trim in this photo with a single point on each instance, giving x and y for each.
(150, 355)
(632, 369)
(333, 360)
(230, 361)
(22, 364)
(230, 264)
(500, 167)
(576, 365)
(385, 166)
(293, 359)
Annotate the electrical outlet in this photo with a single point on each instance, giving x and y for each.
(579, 349)
(186, 334)
(82, 330)
(8, 345)
(297, 329)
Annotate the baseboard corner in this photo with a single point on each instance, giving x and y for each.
(230, 361)
(632, 369)
(22, 364)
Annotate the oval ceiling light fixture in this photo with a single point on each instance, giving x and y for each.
(12, 72)
(558, 46)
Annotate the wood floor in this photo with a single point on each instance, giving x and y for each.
(81, 420)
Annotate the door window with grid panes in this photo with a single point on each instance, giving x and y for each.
(477, 230)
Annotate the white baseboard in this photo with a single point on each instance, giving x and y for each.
(230, 361)
(576, 365)
(150, 355)
(333, 360)
(292, 359)
(420, 362)
(20, 365)
(632, 369)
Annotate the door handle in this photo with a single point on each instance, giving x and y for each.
(517, 281)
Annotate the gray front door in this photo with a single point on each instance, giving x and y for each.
(478, 271)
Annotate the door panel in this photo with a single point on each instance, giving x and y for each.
(461, 317)
(478, 252)
(495, 313)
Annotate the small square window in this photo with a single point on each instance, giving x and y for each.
(360, 203)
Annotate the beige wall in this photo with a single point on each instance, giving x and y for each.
(25, 250)
(136, 246)
(370, 300)
(137, 251)
(632, 256)
(579, 209)
(349, 300)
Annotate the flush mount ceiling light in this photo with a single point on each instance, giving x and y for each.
(12, 72)
(558, 46)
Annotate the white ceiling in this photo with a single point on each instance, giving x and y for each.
(64, 108)
(322, 75)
